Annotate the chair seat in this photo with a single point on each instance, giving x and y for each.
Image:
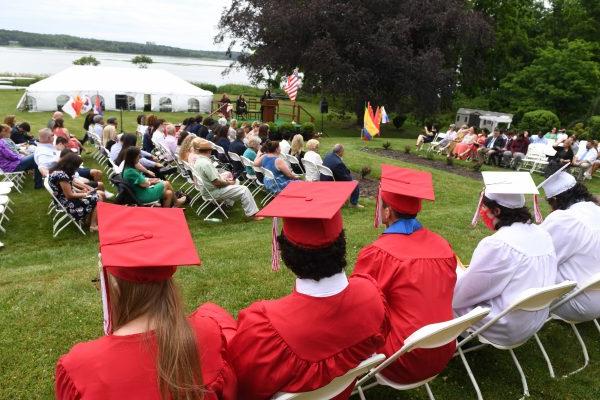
(500, 346)
(382, 380)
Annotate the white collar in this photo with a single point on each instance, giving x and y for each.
(323, 288)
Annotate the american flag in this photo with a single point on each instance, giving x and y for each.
(292, 85)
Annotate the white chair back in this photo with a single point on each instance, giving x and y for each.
(325, 171)
(310, 168)
(336, 386)
(593, 283)
(234, 156)
(535, 299)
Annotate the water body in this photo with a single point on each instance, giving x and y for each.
(20, 60)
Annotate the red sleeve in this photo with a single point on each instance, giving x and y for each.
(226, 322)
(64, 388)
(369, 262)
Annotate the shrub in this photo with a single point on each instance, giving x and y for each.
(582, 132)
(539, 120)
(308, 129)
(206, 86)
(87, 60)
(288, 127)
(387, 145)
(449, 161)
(273, 127)
(594, 126)
(399, 120)
(364, 172)
(407, 149)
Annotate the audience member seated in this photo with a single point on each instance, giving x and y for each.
(460, 135)
(538, 138)
(518, 256)
(150, 350)
(284, 144)
(109, 133)
(312, 155)
(492, 149)
(20, 133)
(116, 148)
(221, 188)
(334, 161)
(55, 116)
(148, 190)
(574, 225)
(148, 164)
(170, 141)
(11, 161)
(297, 150)
(426, 137)
(141, 128)
(151, 122)
(552, 135)
(237, 146)
(80, 204)
(251, 152)
(516, 151)
(232, 132)
(416, 270)
(328, 324)
(465, 148)
(185, 148)
(60, 131)
(564, 155)
(448, 137)
(11, 121)
(221, 139)
(263, 133)
(272, 161)
(587, 158)
(5, 134)
(158, 133)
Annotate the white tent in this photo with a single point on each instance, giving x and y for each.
(127, 88)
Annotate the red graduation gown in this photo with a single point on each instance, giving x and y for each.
(123, 367)
(417, 274)
(300, 343)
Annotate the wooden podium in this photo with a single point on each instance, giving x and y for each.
(268, 109)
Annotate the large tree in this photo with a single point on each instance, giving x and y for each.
(406, 54)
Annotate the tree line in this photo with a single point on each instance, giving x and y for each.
(27, 39)
(426, 58)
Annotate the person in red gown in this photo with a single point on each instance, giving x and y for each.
(415, 268)
(151, 351)
(328, 324)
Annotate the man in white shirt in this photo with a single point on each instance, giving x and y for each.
(45, 154)
(170, 141)
(158, 136)
(284, 144)
(574, 226)
(98, 126)
(587, 158)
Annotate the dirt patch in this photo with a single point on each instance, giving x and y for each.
(368, 187)
(415, 159)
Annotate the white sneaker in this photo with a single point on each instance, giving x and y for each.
(108, 195)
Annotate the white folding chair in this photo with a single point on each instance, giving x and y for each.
(292, 160)
(269, 175)
(206, 196)
(61, 217)
(337, 385)
(268, 194)
(310, 168)
(428, 337)
(251, 178)
(534, 299)
(593, 283)
(17, 178)
(323, 170)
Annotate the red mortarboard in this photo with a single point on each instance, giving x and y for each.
(141, 244)
(310, 211)
(403, 189)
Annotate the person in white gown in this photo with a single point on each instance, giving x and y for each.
(574, 226)
(518, 256)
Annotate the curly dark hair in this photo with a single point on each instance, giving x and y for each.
(308, 263)
(508, 216)
(576, 194)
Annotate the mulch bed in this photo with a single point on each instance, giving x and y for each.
(415, 159)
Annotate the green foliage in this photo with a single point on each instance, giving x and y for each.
(142, 61)
(206, 86)
(387, 145)
(562, 79)
(399, 120)
(594, 126)
(87, 60)
(407, 149)
(273, 127)
(582, 132)
(539, 120)
(38, 40)
(307, 128)
(365, 171)
(289, 127)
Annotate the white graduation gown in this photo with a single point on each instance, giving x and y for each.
(576, 236)
(504, 265)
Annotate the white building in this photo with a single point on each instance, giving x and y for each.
(118, 88)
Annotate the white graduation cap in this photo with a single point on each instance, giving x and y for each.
(558, 182)
(508, 189)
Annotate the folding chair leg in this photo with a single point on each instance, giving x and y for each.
(597, 324)
(586, 357)
(361, 394)
(429, 392)
(523, 378)
(470, 373)
(543, 350)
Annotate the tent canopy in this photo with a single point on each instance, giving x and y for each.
(138, 89)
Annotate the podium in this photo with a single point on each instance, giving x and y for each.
(268, 109)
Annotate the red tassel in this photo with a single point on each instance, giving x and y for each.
(275, 256)
(536, 210)
(105, 299)
(378, 206)
(476, 216)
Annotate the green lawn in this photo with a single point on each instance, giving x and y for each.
(48, 302)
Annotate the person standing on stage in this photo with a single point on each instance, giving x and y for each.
(415, 269)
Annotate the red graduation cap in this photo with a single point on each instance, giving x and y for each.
(311, 213)
(403, 190)
(142, 244)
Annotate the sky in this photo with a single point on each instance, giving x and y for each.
(190, 24)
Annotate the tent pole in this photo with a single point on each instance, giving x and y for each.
(121, 120)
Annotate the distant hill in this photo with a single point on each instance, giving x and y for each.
(27, 39)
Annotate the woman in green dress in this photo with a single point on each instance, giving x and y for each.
(148, 190)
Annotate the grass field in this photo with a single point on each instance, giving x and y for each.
(48, 302)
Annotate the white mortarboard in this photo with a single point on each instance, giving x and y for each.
(508, 189)
(558, 182)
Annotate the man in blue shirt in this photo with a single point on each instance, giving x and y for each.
(538, 139)
(334, 162)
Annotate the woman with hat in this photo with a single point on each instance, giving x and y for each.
(151, 350)
(518, 256)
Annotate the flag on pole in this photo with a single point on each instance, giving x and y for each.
(292, 85)
(97, 105)
(371, 124)
(384, 117)
(77, 105)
